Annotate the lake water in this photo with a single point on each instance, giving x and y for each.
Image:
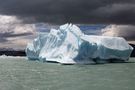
(21, 74)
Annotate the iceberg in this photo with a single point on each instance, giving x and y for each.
(69, 45)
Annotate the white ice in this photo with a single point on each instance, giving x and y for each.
(68, 45)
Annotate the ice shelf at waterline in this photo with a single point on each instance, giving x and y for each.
(68, 45)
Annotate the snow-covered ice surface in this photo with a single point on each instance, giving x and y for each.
(68, 45)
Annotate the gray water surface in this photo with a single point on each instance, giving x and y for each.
(21, 74)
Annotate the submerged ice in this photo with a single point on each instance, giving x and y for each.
(68, 45)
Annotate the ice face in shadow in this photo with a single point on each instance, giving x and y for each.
(68, 45)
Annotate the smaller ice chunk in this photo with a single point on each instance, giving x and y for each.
(68, 45)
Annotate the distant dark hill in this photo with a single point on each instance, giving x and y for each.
(12, 53)
(133, 53)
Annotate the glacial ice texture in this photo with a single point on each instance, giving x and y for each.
(68, 45)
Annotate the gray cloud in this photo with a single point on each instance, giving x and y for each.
(75, 11)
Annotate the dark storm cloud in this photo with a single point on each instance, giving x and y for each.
(6, 35)
(75, 11)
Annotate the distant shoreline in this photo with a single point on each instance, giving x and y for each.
(13, 53)
(133, 52)
(22, 52)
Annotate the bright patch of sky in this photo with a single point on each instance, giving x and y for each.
(91, 29)
(95, 29)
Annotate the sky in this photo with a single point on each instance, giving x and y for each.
(21, 20)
